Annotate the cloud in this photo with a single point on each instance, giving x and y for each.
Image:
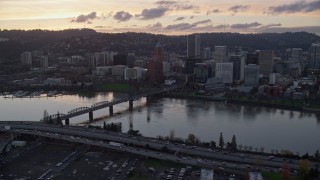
(245, 25)
(222, 26)
(180, 19)
(238, 8)
(271, 25)
(152, 13)
(299, 6)
(85, 18)
(310, 29)
(155, 27)
(175, 5)
(122, 16)
(187, 26)
(215, 11)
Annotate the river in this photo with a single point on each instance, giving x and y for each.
(253, 126)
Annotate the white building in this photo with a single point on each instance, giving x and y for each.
(315, 56)
(74, 59)
(102, 71)
(207, 53)
(272, 78)
(101, 58)
(26, 58)
(225, 72)
(44, 62)
(166, 67)
(206, 174)
(136, 73)
(118, 70)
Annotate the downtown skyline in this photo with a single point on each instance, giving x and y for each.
(164, 16)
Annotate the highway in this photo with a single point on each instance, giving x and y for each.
(200, 156)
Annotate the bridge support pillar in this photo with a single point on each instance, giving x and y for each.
(111, 110)
(67, 122)
(90, 116)
(130, 105)
(148, 100)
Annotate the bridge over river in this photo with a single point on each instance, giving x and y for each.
(100, 105)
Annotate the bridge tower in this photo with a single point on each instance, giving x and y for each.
(90, 116)
(111, 110)
(130, 105)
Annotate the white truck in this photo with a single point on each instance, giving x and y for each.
(169, 82)
(115, 144)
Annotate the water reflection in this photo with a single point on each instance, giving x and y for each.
(267, 127)
(249, 113)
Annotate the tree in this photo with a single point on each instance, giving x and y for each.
(221, 141)
(172, 134)
(213, 144)
(104, 125)
(45, 114)
(285, 172)
(317, 154)
(191, 138)
(234, 143)
(304, 166)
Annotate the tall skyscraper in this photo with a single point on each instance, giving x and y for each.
(252, 58)
(266, 62)
(155, 66)
(193, 46)
(315, 56)
(251, 75)
(26, 58)
(238, 67)
(220, 54)
(207, 53)
(225, 72)
(44, 62)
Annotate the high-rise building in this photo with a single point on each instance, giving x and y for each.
(44, 62)
(155, 66)
(207, 53)
(201, 72)
(315, 56)
(120, 59)
(251, 75)
(131, 59)
(225, 72)
(252, 58)
(238, 67)
(296, 55)
(266, 62)
(193, 46)
(220, 54)
(26, 58)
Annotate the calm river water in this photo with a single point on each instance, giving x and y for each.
(253, 126)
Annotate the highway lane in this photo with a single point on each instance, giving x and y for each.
(156, 144)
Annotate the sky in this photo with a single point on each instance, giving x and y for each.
(172, 17)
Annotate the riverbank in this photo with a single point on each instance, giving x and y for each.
(242, 102)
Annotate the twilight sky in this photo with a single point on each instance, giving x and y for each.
(163, 16)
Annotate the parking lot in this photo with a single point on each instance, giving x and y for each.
(32, 163)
